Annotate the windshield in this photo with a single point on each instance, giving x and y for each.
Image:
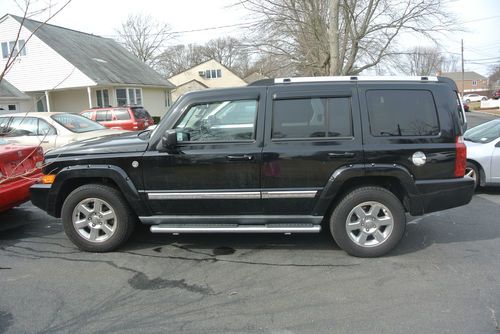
(77, 123)
(484, 133)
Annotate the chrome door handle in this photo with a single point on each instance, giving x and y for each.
(244, 157)
(341, 154)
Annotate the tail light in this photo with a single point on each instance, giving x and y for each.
(461, 157)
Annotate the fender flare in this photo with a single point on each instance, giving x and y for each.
(114, 173)
(345, 173)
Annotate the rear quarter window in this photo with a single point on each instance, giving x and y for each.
(121, 114)
(402, 113)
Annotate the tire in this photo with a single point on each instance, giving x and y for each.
(467, 101)
(101, 230)
(381, 230)
(472, 171)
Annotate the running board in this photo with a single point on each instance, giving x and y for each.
(219, 228)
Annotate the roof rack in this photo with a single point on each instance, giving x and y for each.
(355, 78)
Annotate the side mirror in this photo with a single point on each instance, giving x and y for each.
(171, 139)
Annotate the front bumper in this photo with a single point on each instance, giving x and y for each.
(437, 195)
(40, 197)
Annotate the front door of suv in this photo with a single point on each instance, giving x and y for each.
(216, 169)
(314, 130)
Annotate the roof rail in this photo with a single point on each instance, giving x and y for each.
(355, 78)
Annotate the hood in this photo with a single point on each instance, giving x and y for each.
(103, 142)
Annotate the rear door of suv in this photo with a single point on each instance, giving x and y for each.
(401, 119)
(311, 131)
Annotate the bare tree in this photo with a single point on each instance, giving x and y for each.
(494, 77)
(144, 37)
(450, 63)
(342, 37)
(422, 61)
(178, 58)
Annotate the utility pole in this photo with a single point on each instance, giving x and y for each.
(463, 85)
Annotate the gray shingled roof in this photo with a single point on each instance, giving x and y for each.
(467, 76)
(8, 91)
(102, 59)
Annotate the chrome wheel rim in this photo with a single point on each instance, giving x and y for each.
(369, 224)
(471, 173)
(94, 220)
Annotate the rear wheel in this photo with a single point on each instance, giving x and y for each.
(472, 171)
(368, 222)
(96, 218)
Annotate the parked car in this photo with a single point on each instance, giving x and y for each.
(50, 130)
(496, 94)
(474, 98)
(483, 153)
(20, 168)
(292, 155)
(132, 118)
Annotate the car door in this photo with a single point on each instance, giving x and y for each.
(314, 130)
(216, 170)
(495, 163)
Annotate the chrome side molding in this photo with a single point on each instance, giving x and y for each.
(166, 228)
(265, 194)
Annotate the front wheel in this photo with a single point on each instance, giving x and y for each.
(368, 222)
(96, 218)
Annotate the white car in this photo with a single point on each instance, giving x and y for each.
(474, 98)
(50, 129)
(483, 153)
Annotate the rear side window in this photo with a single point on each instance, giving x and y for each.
(140, 112)
(311, 118)
(121, 114)
(103, 115)
(402, 113)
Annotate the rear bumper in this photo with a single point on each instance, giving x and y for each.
(16, 192)
(40, 197)
(437, 195)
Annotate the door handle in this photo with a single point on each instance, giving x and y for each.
(244, 157)
(341, 154)
(45, 141)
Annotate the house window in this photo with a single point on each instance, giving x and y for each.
(212, 74)
(474, 82)
(102, 98)
(12, 47)
(128, 96)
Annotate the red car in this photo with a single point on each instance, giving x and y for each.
(496, 95)
(19, 170)
(132, 118)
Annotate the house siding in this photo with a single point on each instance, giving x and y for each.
(42, 68)
(153, 100)
(187, 87)
(74, 100)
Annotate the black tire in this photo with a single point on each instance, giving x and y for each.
(339, 216)
(467, 101)
(123, 223)
(472, 171)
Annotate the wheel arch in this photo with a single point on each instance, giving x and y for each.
(482, 173)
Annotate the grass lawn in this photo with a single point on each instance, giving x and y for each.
(475, 106)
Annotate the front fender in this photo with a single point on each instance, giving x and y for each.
(114, 173)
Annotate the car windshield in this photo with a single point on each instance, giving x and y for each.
(484, 133)
(77, 123)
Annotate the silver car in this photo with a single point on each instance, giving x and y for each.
(483, 153)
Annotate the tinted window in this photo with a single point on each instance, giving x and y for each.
(310, 118)
(121, 114)
(139, 112)
(220, 121)
(102, 115)
(402, 113)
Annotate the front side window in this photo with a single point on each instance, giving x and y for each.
(23, 126)
(121, 114)
(220, 121)
(311, 118)
(402, 113)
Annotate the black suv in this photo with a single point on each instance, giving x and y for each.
(351, 154)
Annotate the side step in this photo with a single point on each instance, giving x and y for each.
(233, 228)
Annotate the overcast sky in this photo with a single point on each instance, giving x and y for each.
(481, 19)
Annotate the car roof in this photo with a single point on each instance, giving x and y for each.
(36, 114)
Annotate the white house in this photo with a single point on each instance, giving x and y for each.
(12, 99)
(210, 74)
(66, 70)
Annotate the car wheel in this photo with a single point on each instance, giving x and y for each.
(472, 171)
(368, 222)
(96, 218)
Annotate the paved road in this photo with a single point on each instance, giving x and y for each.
(444, 277)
